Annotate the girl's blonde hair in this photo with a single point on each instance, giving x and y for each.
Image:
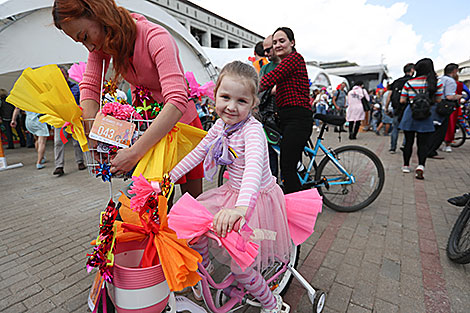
(242, 70)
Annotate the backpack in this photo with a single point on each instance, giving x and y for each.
(398, 84)
(420, 105)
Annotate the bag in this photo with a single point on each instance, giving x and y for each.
(398, 108)
(365, 104)
(446, 107)
(420, 105)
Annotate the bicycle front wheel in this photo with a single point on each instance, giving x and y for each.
(459, 137)
(458, 246)
(367, 170)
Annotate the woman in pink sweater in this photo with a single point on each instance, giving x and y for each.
(144, 54)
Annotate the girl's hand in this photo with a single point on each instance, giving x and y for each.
(225, 219)
(124, 161)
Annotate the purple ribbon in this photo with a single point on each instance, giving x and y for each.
(217, 151)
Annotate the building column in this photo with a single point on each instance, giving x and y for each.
(188, 25)
(224, 42)
(206, 38)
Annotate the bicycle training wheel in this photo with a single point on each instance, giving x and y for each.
(367, 170)
(458, 246)
(459, 137)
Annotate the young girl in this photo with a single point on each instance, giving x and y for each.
(237, 139)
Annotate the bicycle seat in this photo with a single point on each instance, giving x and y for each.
(330, 119)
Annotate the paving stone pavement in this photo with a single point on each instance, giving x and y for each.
(389, 257)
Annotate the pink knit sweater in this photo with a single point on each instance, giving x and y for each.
(154, 65)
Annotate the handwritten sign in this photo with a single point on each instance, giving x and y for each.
(112, 131)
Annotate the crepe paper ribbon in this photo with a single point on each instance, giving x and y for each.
(156, 108)
(45, 91)
(103, 251)
(179, 262)
(302, 208)
(63, 136)
(189, 209)
(104, 171)
(198, 91)
(76, 71)
(142, 189)
(120, 111)
(251, 59)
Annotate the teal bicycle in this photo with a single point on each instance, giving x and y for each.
(349, 178)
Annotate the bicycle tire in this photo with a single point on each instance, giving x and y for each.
(349, 192)
(461, 229)
(459, 137)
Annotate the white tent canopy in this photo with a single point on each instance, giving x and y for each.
(31, 39)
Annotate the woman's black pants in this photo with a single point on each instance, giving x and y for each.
(296, 128)
(423, 146)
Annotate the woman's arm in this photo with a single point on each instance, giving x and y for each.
(16, 111)
(282, 72)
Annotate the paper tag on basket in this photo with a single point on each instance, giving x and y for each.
(111, 130)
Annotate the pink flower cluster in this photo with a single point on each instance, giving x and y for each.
(120, 111)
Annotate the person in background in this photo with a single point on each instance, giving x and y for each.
(392, 104)
(59, 146)
(450, 134)
(425, 80)
(40, 132)
(339, 101)
(260, 59)
(355, 111)
(292, 99)
(321, 104)
(387, 115)
(449, 82)
(6, 114)
(268, 110)
(376, 117)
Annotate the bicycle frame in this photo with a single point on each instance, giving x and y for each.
(331, 181)
(237, 294)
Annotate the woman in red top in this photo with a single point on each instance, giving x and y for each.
(145, 55)
(292, 98)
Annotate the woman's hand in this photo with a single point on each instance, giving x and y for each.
(225, 220)
(124, 161)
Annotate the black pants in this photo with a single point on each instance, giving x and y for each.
(438, 137)
(9, 134)
(354, 129)
(423, 147)
(296, 128)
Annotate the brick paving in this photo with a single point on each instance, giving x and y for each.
(389, 257)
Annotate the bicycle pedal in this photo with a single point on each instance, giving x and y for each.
(325, 182)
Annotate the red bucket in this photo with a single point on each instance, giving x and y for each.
(137, 289)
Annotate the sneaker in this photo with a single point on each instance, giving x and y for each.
(406, 169)
(43, 160)
(40, 166)
(460, 200)
(81, 166)
(59, 171)
(392, 151)
(419, 172)
(448, 149)
(281, 307)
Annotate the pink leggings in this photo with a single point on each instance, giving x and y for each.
(251, 280)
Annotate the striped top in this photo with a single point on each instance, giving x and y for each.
(250, 172)
(419, 83)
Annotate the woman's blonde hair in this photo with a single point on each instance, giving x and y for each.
(242, 70)
(3, 93)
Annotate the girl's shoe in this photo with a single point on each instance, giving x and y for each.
(405, 169)
(419, 172)
(281, 307)
(43, 160)
(40, 166)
